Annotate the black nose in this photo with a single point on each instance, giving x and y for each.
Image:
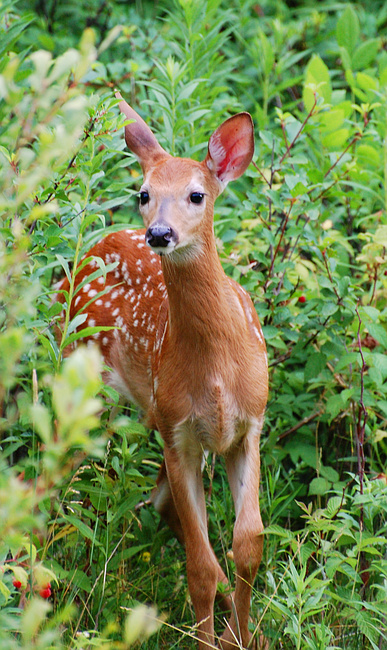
(159, 235)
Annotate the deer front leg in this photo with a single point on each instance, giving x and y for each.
(185, 481)
(243, 469)
(164, 504)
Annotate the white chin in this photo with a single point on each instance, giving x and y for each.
(163, 250)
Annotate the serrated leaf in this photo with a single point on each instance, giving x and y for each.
(334, 504)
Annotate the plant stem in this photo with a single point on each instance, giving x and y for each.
(361, 420)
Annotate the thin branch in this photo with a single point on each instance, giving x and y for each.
(301, 423)
(362, 418)
(293, 142)
(356, 137)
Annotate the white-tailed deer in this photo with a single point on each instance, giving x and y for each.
(188, 349)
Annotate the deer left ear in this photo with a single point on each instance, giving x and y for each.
(231, 148)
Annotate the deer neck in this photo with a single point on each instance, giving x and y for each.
(199, 299)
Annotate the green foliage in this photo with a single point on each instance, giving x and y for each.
(305, 231)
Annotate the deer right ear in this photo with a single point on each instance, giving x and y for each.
(139, 138)
(231, 148)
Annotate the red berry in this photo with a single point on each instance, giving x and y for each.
(302, 299)
(17, 584)
(46, 592)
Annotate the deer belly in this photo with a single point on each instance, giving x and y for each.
(217, 432)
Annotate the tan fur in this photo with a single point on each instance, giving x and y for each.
(188, 348)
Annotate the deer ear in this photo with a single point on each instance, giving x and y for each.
(139, 138)
(231, 148)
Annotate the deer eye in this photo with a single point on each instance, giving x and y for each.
(196, 197)
(144, 197)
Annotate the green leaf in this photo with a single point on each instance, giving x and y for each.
(380, 236)
(77, 321)
(315, 365)
(83, 528)
(4, 590)
(367, 83)
(378, 332)
(346, 360)
(347, 29)
(336, 140)
(319, 486)
(365, 54)
(65, 266)
(80, 579)
(329, 473)
(88, 331)
(316, 80)
(267, 53)
(331, 120)
(337, 403)
(368, 155)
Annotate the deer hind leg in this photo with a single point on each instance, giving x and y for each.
(185, 481)
(163, 502)
(243, 469)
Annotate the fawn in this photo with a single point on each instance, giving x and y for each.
(187, 347)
